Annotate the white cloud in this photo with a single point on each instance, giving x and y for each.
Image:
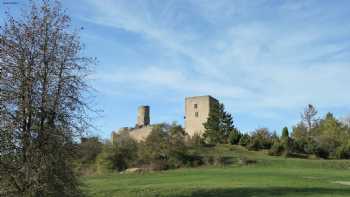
(251, 64)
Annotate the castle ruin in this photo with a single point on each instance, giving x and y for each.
(143, 118)
(196, 113)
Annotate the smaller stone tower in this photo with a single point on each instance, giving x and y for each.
(143, 118)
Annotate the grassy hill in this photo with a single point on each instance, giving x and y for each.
(269, 176)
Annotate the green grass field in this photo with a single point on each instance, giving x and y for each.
(270, 176)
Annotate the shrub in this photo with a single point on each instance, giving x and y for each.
(159, 165)
(117, 156)
(246, 161)
(88, 150)
(209, 160)
(343, 152)
(222, 160)
(277, 149)
(234, 137)
(321, 152)
(260, 139)
(244, 140)
(104, 161)
(193, 160)
(196, 141)
(254, 144)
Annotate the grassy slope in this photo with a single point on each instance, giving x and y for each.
(271, 176)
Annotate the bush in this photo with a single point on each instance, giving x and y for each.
(119, 156)
(88, 149)
(234, 137)
(193, 160)
(209, 160)
(260, 139)
(254, 145)
(343, 152)
(246, 161)
(244, 140)
(302, 146)
(277, 149)
(165, 148)
(104, 161)
(159, 165)
(321, 152)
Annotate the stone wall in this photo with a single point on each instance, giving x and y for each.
(140, 134)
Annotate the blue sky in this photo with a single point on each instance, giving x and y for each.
(265, 60)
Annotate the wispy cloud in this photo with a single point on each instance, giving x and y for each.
(259, 56)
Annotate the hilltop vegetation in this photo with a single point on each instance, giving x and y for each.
(265, 176)
(168, 146)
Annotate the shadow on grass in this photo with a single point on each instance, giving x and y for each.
(267, 192)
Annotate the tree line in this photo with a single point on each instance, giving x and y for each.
(326, 137)
(168, 146)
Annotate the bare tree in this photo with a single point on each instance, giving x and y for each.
(309, 116)
(42, 108)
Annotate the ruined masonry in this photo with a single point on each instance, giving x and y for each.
(196, 113)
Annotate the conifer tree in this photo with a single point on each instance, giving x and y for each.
(212, 127)
(219, 126)
(285, 133)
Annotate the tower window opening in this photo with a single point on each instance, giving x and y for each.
(195, 106)
(196, 114)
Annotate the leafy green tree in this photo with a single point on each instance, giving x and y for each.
(330, 134)
(323, 139)
(177, 149)
(343, 151)
(88, 149)
(277, 149)
(165, 147)
(156, 143)
(260, 139)
(119, 156)
(105, 160)
(299, 131)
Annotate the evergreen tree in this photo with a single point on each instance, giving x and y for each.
(234, 136)
(285, 133)
(219, 126)
(212, 127)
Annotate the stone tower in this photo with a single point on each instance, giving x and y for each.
(143, 118)
(197, 112)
